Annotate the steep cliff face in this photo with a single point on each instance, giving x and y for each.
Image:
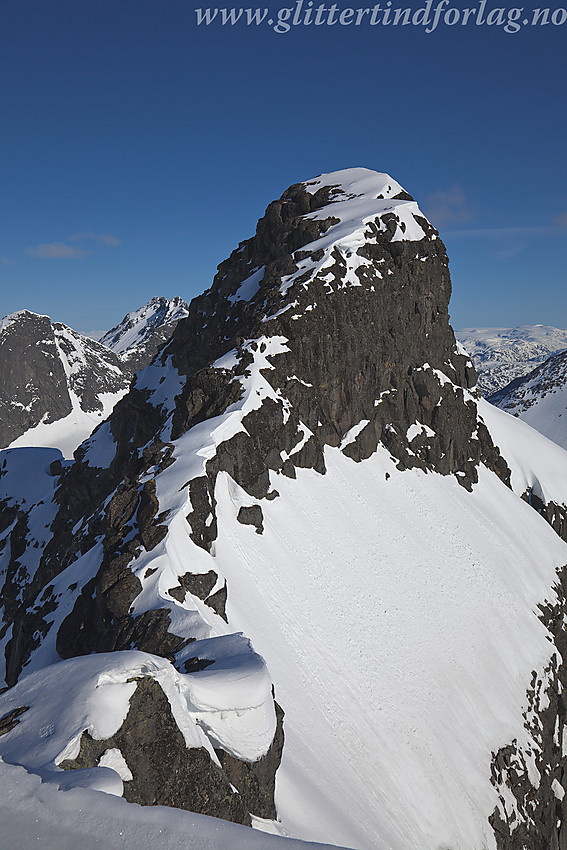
(53, 378)
(304, 463)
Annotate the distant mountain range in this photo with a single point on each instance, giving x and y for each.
(540, 398)
(57, 385)
(523, 370)
(502, 354)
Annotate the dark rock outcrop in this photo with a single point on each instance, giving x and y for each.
(532, 812)
(165, 772)
(42, 363)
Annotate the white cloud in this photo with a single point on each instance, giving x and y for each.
(105, 238)
(6, 261)
(56, 250)
(498, 232)
(96, 335)
(503, 242)
(448, 207)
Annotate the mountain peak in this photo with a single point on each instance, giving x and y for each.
(137, 338)
(18, 316)
(56, 384)
(256, 509)
(345, 273)
(358, 182)
(331, 232)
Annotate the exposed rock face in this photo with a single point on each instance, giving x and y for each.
(316, 341)
(531, 782)
(32, 386)
(141, 333)
(359, 340)
(48, 370)
(164, 771)
(329, 327)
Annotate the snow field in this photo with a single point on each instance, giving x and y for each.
(398, 620)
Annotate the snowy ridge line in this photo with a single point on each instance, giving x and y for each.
(137, 327)
(538, 464)
(178, 472)
(12, 318)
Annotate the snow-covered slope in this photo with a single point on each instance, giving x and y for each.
(55, 385)
(540, 398)
(538, 465)
(140, 334)
(299, 506)
(502, 354)
(34, 814)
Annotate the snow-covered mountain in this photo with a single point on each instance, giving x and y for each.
(540, 398)
(502, 354)
(142, 332)
(302, 543)
(55, 385)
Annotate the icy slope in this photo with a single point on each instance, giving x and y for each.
(503, 354)
(399, 644)
(140, 333)
(537, 463)
(540, 398)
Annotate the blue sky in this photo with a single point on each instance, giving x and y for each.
(138, 149)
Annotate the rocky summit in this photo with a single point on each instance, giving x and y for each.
(141, 333)
(303, 577)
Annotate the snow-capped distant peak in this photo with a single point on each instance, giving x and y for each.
(56, 385)
(17, 316)
(502, 354)
(140, 333)
(540, 398)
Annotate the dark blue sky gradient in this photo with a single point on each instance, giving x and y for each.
(123, 117)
